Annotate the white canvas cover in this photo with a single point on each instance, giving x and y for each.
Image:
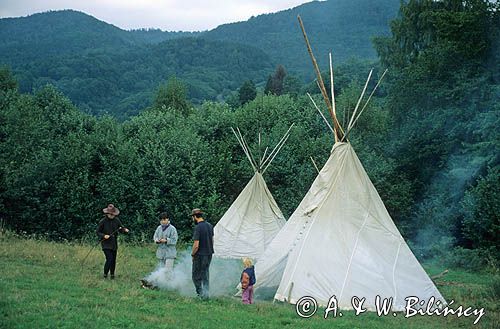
(250, 224)
(342, 241)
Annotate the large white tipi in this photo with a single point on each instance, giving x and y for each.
(341, 241)
(254, 218)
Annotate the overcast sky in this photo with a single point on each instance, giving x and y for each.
(171, 15)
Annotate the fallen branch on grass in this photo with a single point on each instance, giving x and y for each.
(440, 275)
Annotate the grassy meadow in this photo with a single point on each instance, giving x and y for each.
(44, 285)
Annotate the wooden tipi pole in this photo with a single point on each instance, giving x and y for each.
(337, 127)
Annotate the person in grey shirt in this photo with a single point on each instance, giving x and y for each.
(166, 238)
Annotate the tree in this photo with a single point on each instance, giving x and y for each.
(172, 95)
(247, 92)
(7, 81)
(481, 206)
(440, 34)
(269, 85)
(291, 85)
(275, 82)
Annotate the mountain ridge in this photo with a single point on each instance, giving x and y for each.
(81, 54)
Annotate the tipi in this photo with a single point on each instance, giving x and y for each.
(341, 241)
(254, 218)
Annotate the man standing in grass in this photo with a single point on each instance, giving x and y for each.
(203, 248)
(107, 231)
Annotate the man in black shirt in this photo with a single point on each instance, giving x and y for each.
(203, 248)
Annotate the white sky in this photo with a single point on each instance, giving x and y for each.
(170, 15)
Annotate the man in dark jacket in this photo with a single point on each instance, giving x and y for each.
(203, 248)
(107, 231)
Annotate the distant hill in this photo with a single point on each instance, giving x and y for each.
(123, 83)
(345, 27)
(70, 31)
(57, 33)
(103, 68)
(157, 35)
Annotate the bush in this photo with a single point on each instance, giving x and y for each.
(471, 259)
(481, 208)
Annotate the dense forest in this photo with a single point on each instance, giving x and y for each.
(103, 69)
(343, 27)
(429, 141)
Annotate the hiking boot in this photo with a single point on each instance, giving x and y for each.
(112, 277)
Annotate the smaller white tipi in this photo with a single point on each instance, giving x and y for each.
(254, 218)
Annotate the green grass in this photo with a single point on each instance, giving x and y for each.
(43, 285)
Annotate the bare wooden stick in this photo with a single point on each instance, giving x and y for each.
(244, 149)
(260, 152)
(367, 101)
(271, 155)
(333, 93)
(263, 156)
(317, 108)
(369, 98)
(278, 147)
(320, 79)
(314, 164)
(316, 69)
(248, 148)
(359, 100)
(331, 83)
(275, 154)
(440, 275)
